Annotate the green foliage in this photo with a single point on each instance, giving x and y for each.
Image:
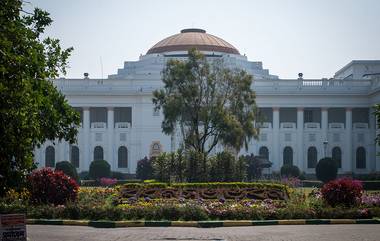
(210, 104)
(326, 169)
(84, 175)
(290, 171)
(377, 115)
(222, 167)
(144, 169)
(118, 175)
(161, 167)
(31, 108)
(254, 170)
(99, 169)
(67, 168)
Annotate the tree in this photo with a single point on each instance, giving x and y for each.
(377, 115)
(32, 110)
(326, 169)
(144, 169)
(209, 104)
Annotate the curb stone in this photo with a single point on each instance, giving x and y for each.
(200, 224)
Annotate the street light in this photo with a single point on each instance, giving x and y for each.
(325, 143)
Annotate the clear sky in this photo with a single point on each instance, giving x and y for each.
(316, 37)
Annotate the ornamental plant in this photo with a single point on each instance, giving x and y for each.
(344, 191)
(290, 171)
(99, 169)
(47, 186)
(104, 181)
(326, 169)
(68, 169)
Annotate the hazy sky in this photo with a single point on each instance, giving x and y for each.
(289, 36)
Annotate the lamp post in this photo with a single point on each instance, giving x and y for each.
(325, 143)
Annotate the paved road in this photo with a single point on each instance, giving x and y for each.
(356, 232)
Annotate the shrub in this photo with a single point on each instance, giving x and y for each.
(326, 169)
(84, 175)
(99, 169)
(67, 168)
(344, 191)
(144, 169)
(51, 187)
(118, 175)
(104, 181)
(290, 171)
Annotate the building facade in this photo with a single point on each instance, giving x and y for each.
(304, 119)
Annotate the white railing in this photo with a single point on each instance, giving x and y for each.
(98, 125)
(121, 125)
(264, 125)
(312, 125)
(360, 125)
(288, 125)
(336, 125)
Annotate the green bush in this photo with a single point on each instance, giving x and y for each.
(118, 175)
(84, 175)
(99, 169)
(67, 168)
(290, 171)
(144, 169)
(326, 169)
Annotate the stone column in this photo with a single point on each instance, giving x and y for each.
(276, 142)
(300, 147)
(84, 162)
(110, 127)
(348, 164)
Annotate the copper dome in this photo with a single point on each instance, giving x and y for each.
(193, 38)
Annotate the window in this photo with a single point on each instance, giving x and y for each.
(263, 137)
(75, 156)
(123, 136)
(312, 157)
(336, 137)
(308, 116)
(288, 156)
(50, 156)
(98, 153)
(122, 157)
(264, 152)
(98, 136)
(360, 158)
(337, 156)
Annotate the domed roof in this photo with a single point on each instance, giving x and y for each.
(193, 38)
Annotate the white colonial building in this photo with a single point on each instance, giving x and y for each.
(304, 119)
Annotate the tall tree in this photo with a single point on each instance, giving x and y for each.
(31, 108)
(209, 103)
(377, 115)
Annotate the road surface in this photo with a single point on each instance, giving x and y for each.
(353, 232)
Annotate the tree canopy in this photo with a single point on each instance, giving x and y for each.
(32, 110)
(208, 103)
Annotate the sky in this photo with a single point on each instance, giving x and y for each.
(315, 37)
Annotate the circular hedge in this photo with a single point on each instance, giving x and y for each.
(99, 169)
(290, 171)
(326, 169)
(67, 168)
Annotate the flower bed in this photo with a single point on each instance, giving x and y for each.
(235, 191)
(99, 203)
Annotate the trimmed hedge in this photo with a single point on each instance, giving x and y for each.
(99, 169)
(208, 185)
(67, 168)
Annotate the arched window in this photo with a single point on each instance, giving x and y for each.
(264, 152)
(288, 156)
(360, 158)
(312, 157)
(50, 156)
(74, 156)
(337, 156)
(98, 153)
(122, 157)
